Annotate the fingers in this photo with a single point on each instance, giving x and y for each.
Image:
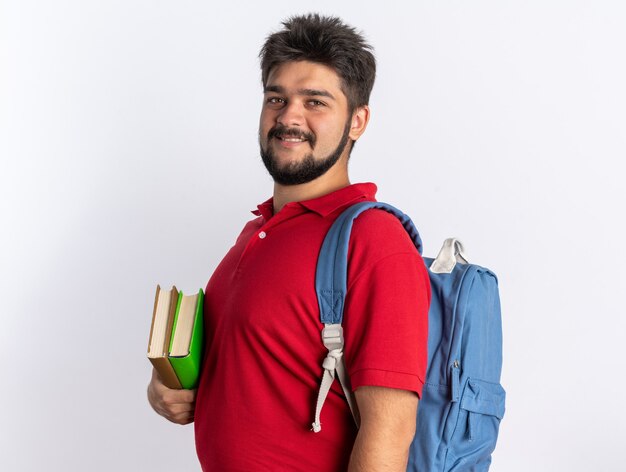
(174, 396)
(180, 415)
(174, 411)
(180, 408)
(177, 406)
(170, 395)
(182, 420)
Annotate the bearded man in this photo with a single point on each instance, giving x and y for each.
(262, 364)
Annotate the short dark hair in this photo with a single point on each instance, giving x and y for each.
(325, 40)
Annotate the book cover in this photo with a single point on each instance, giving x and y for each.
(186, 346)
(165, 305)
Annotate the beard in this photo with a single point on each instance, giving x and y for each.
(307, 169)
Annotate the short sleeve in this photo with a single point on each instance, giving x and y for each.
(386, 309)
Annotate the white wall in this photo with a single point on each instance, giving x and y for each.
(129, 157)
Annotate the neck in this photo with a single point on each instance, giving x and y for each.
(334, 179)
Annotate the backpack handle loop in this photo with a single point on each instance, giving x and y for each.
(451, 252)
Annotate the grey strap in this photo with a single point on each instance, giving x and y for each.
(451, 253)
(332, 336)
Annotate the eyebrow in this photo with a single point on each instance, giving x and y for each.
(304, 91)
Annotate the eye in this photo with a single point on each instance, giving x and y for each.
(316, 103)
(275, 101)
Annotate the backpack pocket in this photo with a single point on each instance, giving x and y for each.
(476, 432)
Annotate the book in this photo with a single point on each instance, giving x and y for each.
(185, 352)
(176, 337)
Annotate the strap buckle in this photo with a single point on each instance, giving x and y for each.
(332, 336)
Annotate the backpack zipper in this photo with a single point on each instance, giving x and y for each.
(456, 374)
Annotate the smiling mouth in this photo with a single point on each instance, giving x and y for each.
(291, 139)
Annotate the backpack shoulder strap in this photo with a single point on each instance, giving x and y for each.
(331, 275)
(330, 286)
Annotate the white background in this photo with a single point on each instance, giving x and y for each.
(129, 158)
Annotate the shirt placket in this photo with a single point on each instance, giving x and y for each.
(262, 236)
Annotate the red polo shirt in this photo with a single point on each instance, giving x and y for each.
(262, 368)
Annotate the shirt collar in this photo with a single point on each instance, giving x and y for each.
(326, 204)
(265, 209)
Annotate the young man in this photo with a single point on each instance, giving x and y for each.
(262, 367)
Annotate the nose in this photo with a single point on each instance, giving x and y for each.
(291, 115)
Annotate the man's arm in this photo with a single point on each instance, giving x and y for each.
(178, 406)
(387, 428)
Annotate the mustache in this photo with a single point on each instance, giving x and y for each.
(283, 131)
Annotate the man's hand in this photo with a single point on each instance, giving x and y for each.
(387, 429)
(178, 406)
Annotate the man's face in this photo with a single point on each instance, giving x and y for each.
(305, 127)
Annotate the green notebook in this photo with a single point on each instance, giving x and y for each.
(186, 342)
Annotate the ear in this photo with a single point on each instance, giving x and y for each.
(360, 118)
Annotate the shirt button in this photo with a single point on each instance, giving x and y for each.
(262, 234)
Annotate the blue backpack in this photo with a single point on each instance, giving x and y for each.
(462, 401)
